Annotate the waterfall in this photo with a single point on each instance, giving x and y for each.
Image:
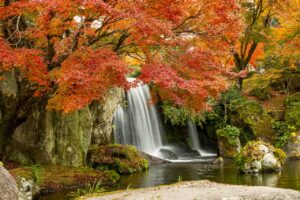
(193, 134)
(138, 124)
(195, 141)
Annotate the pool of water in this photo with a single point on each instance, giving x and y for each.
(161, 174)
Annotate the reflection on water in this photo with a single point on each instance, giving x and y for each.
(225, 173)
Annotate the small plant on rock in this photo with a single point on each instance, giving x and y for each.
(231, 133)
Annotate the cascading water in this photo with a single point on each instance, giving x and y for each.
(139, 124)
(193, 133)
(195, 142)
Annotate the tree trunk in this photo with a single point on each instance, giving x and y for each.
(240, 83)
(16, 98)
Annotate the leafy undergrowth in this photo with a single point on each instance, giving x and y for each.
(57, 178)
(123, 159)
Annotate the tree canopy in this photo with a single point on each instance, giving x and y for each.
(74, 51)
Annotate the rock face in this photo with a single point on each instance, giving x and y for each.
(8, 186)
(258, 156)
(49, 137)
(228, 141)
(227, 150)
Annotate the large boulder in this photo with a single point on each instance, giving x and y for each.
(8, 186)
(259, 156)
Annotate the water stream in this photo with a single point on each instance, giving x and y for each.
(227, 173)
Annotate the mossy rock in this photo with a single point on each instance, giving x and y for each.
(259, 156)
(228, 141)
(252, 117)
(55, 178)
(124, 159)
(228, 150)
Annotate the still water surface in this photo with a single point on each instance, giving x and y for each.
(225, 173)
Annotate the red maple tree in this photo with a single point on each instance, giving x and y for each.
(72, 51)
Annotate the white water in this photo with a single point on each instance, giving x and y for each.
(195, 141)
(139, 123)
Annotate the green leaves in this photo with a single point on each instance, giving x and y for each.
(229, 132)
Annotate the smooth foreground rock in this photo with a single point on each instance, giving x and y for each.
(202, 190)
(8, 186)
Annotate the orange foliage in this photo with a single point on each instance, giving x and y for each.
(75, 48)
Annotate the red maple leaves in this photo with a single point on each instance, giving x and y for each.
(79, 46)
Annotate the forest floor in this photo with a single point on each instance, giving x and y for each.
(200, 190)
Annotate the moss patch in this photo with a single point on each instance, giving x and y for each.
(57, 178)
(250, 115)
(124, 159)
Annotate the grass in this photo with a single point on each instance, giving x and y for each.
(95, 187)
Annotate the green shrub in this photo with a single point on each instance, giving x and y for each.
(284, 133)
(260, 93)
(178, 116)
(136, 73)
(231, 133)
